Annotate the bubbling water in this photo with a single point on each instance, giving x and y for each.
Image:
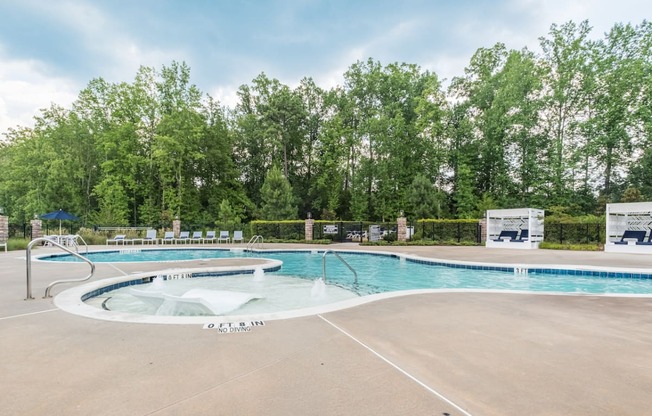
(318, 290)
(259, 274)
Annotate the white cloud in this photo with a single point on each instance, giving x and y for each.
(225, 94)
(25, 88)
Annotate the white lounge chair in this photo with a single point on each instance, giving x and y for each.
(168, 237)
(237, 236)
(150, 237)
(210, 237)
(184, 236)
(197, 236)
(118, 239)
(224, 236)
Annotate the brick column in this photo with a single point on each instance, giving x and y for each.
(4, 228)
(37, 228)
(308, 227)
(401, 229)
(176, 227)
(483, 230)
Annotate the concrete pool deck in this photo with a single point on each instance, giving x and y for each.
(425, 354)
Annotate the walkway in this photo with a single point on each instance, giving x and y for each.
(428, 354)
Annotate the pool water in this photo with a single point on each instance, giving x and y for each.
(274, 293)
(379, 273)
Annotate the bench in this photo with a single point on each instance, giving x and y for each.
(631, 235)
(509, 235)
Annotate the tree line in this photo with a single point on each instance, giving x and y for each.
(566, 129)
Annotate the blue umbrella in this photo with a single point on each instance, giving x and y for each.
(59, 215)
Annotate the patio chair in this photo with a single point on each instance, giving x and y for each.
(237, 236)
(631, 235)
(224, 236)
(118, 239)
(184, 236)
(150, 237)
(507, 235)
(210, 237)
(168, 237)
(197, 236)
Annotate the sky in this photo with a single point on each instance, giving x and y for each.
(51, 49)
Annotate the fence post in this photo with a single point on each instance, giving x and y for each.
(308, 228)
(561, 233)
(4, 228)
(176, 227)
(482, 230)
(36, 229)
(401, 228)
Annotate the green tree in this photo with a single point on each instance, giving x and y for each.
(423, 199)
(277, 197)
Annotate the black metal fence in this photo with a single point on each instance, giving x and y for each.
(355, 231)
(453, 231)
(281, 230)
(575, 233)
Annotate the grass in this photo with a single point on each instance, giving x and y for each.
(571, 247)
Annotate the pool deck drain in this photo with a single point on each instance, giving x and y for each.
(488, 353)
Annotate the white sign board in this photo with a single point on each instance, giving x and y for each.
(330, 229)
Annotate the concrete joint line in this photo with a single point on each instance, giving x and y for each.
(28, 314)
(399, 369)
(117, 269)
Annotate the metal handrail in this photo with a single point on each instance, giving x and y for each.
(49, 288)
(83, 241)
(255, 239)
(75, 237)
(323, 265)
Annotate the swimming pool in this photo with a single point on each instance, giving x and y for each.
(388, 272)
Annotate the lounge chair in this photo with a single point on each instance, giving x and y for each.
(631, 235)
(197, 236)
(237, 236)
(210, 236)
(168, 237)
(524, 236)
(646, 243)
(184, 236)
(118, 239)
(150, 237)
(507, 235)
(224, 236)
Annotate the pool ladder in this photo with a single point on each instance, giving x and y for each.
(323, 266)
(257, 239)
(64, 248)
